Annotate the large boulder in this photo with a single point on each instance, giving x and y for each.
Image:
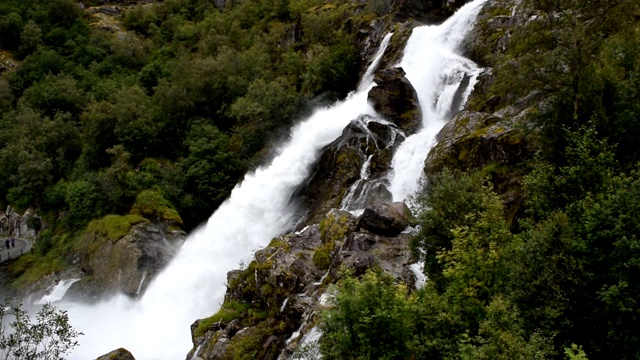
(119, 354)
(396, 100)
(387, 219)
(361, 154)
(127, 264)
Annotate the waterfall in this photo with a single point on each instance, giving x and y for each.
(192, 286)
(443, 79)
(367, 78)
(57, 292)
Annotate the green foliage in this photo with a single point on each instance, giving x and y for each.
(501, 336)
(202, 91)
(249, 344)
(452, 199)
(322, 256)
(152, 205)
(332, 230)
(33, 222)
(31, 267)
(49, 337)
(575, 352)
(228, 311)
(369, 319)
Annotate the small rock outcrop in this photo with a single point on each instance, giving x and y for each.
(361, 154)
(385, 219)
(119, 354)
(129, 263)
(23, 226)
(396, 100)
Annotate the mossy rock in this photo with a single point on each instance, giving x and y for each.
(152, 205)
(228, 311)
(110, 228)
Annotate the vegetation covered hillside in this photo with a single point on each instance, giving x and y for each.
(559, 278)
(170, 106)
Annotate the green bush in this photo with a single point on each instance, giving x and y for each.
(152, 205)
(369, 319)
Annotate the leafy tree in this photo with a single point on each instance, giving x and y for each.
(446, 201)
(369, 319)
(502, 336)
(10, 27)
(30, 38)
(211, 170)
(50, 337)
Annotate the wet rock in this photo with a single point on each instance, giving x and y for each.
(495, 24)
(385, 219)
(119, 354)
(128, 264)
(365, 140)
(396, 100)
(286, 280)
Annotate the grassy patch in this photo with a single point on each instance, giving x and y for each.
(33, 267)
(152, 205)
(249, 344)
(109, 228)
(322, 257)
(229, 311)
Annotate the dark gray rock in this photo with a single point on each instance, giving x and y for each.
(341, 164)
(119, 354)
(396, 100)
(385, 219)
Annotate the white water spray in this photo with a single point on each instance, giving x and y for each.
(57, 292)
(436, 71)
(193, 284)
(367, 78)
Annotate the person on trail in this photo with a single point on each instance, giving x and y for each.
(6, 242)
(13, 242)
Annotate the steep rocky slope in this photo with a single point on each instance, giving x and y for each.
(270, 306)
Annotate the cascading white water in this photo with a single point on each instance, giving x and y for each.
(367, 78)
(57, 292)
(436, 71)
(193, 284)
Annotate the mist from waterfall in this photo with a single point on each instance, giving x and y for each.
(156, 326)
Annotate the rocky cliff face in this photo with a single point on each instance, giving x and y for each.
(125, 265)
(23, 226)
(273, 302)
(352, 171)
(490, 135)
(128, 264)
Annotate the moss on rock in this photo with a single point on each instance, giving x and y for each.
(152, 205)
(110, 228)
